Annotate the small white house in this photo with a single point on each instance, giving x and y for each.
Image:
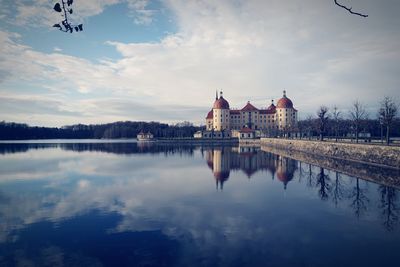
(145, 136)
(247, 133)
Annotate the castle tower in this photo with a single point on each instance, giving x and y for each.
(286, 114)
(221, 114)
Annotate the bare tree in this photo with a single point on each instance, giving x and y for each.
(336, 115)
(350, 9)
(309, 127)
(387, 113)
(357, 114)
(323, 118)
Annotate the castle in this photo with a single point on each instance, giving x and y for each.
(249, 122)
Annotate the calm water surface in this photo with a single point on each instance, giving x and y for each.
(128, 204)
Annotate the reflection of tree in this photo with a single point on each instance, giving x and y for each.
(323, 184)
(310, 180)
(300, 172)
(360, 200)
(337, 190)
(389, 208)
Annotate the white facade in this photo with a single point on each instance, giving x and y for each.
(282, 117)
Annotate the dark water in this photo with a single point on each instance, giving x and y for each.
(123, 204)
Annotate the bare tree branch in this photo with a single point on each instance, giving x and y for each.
(350, 9)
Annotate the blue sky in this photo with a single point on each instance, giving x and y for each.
(163, 60)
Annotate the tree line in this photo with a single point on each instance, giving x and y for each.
(122, 129)
(336, 124)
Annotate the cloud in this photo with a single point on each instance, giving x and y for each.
(40, 13)
(139, 11)
(250, 49)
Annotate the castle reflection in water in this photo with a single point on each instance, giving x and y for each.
(223, 160)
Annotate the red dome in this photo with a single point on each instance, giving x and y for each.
(221, 103)
(210, 115)
(284, 102)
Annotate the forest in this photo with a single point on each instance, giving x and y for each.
(125, 129)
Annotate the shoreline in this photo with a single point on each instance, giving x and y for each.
(379, 155)
(379, 174)
(385, 156)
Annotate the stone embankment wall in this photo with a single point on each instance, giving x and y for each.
(366, 171)
(372, 154)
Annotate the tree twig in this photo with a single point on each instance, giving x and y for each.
(350, 9)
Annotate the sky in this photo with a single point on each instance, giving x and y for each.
(163, 60)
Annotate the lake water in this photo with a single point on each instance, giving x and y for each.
(129, 204)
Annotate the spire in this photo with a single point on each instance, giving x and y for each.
(272, 101)
(220, 94)
(216, 94)
(284, 93)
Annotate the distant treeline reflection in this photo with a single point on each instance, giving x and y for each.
(107, 147)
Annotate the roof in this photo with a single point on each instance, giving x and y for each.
(246, 130)
(210, 114)
(221, 103)
(235, 111)
(249, 107)
(284, 102)
(267, 111)
(271, 107)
